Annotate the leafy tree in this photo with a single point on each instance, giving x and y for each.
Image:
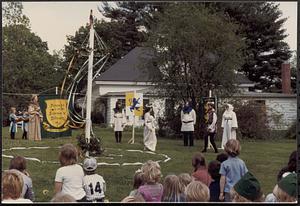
(28, 68)
(261, 26)
(12, 14)
(193, 53)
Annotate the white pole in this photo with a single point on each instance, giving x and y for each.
(133, 124)
(88, 122)
(56, 90)
(209, 144)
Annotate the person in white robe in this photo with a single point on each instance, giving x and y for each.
(229, 124)
(188, 120)
(119, 121)
(150, 140)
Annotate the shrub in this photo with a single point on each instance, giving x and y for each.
(94, 147)
(291, 132)
(252, 119)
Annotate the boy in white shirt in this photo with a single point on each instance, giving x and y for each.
(94, 184)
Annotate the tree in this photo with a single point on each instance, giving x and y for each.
(261, 26)
(12, 14)
(194, 54)
(28, 67)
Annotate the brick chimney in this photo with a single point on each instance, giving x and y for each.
(286, 78)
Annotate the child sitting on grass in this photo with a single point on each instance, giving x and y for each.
(231, 170)
(69, 177)
(196, 191)
(94, 184)
(152, 190)
(200, 171)
(184, 180)
(172, 191)
(11, 190)
(247, 189)
(214, 187)
(18, 163)
(137, 182)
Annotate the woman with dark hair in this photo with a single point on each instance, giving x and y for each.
(119, 121)
(149, 129)
(35, 119)
(188, 120)
(291, 167)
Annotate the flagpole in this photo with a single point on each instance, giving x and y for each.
(88, 122)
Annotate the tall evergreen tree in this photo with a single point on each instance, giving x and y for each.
(261, 25)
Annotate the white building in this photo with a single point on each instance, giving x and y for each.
(127, 75)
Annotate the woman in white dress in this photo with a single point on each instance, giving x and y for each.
(119, 121)
(229, 124)
(149, 129)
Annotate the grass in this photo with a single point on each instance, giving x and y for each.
(263, 158)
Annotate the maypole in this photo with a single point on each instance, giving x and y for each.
(88, 122)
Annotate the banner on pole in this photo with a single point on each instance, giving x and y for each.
(55, 112)
(206, 100)
(134, 103)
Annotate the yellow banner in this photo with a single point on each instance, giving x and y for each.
(134, 104)
(56, 115)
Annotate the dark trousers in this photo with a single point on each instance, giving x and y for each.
(24, 136)
(212, 141)
(188, 138)
(12, 135)
(118, 136)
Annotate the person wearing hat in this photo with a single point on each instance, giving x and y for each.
(150, 140)
(285, 190)
(247, 189)
(211, 127)
(94, 184)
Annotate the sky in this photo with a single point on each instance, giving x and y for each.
(53, 21)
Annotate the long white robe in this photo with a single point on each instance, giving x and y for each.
(150, 140)
(229, 125)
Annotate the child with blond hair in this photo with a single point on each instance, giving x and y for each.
(172, 190)
(184, 180)
(231, 170)
(152, 190)
(197, 191)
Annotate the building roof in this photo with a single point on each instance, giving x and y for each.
(264, 95)
(133, 68)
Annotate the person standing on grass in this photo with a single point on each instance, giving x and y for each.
(150, 139)
(69, 177)
(188, 120)
(211, 127)
(229, 125)
(25, 124)
(35, 119)
(13, 122)
(119, 121)
(231, 170)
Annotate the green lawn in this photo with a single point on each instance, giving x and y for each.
(263, 158)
